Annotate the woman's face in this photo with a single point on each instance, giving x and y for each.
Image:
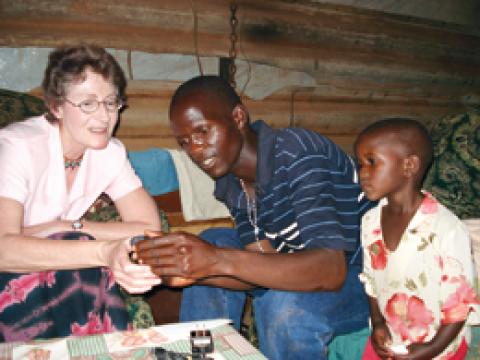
(80, 130)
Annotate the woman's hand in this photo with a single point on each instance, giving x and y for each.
(132, 277)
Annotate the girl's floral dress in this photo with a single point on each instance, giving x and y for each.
(427, 281)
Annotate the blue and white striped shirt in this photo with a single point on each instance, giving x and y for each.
(307, 192)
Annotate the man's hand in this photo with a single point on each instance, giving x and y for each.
(178, 258)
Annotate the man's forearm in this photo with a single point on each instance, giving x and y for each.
(308, 270)
(226, 282)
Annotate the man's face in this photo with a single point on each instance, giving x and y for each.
(211, 138)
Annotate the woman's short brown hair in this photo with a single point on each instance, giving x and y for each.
(67, 65)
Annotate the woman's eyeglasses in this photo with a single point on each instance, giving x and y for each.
(89, 106)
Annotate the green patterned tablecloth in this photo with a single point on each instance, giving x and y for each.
(136, 344)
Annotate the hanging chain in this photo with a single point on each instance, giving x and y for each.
(232, 69)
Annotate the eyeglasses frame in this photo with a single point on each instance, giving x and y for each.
(79, 105)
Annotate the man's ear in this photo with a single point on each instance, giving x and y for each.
(240, 116)
(411, 165)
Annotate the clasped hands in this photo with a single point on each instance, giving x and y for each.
(381, 339)
(178, 258)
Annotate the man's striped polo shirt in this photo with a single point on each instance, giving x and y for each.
(307, 192)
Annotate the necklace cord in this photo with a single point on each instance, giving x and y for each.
(252, 214)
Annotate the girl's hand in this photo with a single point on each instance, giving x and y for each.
(444, 336)
(381, 340)
(416, 351)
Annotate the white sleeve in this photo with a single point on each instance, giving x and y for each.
(14, 165)
(125, 180)
(366, 276)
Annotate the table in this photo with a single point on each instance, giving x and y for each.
(136, 344)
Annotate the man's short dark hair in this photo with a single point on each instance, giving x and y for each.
(207, 84)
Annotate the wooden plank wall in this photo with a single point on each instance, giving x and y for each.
(367, 64)
(145, 124)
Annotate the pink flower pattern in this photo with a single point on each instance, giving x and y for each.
(378, 255)
(457, 306)
(18, 289)
(52, 291)
(408, 316)
(429, 204)
(94, 325)
(136, 338)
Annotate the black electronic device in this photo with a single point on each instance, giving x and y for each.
(202, 343)
(133, 241)
(163, 354)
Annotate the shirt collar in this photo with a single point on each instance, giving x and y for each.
(265, 153)
(58, 167)
(227, 187)
(428, 207)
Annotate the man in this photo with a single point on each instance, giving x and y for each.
(294, 198)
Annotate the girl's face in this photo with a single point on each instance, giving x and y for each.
(80, 130)
(381, 165)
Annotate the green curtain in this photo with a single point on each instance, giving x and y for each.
(454, 178)
(15, 106)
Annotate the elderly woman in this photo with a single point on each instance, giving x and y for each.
(55, 278)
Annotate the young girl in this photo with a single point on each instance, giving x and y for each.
(418, 269)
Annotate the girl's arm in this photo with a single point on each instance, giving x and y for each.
(444, 336)
(381, 337)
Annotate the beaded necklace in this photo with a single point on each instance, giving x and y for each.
(252, 214)
(72, 163)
